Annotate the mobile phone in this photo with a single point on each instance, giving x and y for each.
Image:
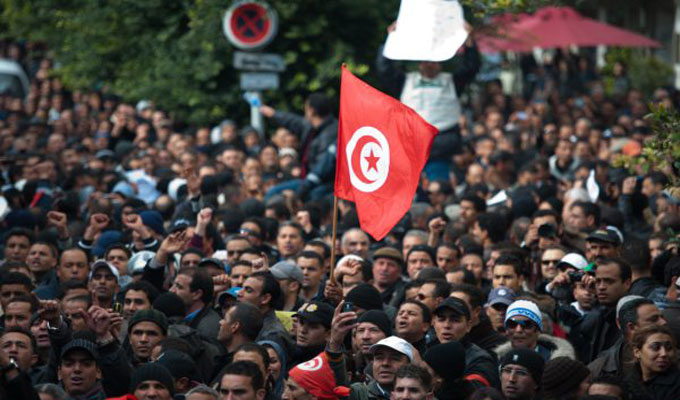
(348, 306)
(118, 307)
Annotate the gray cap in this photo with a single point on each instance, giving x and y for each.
(286, 270)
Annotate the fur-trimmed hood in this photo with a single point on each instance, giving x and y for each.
(558, 347)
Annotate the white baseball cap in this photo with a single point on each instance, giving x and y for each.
(397, 344)
(574, 260)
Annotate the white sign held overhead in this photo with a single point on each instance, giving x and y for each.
(427, 30)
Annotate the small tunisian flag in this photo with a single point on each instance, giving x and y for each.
(382, 148)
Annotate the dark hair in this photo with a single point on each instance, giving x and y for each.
(509, 259)
(70, 285)
(468, 276)
(18, 329)
(612, 380)
(546, 213)
(24, 298)
(312, 255)
(245, 368)
(292, 224)
(249, 318)
(636, 252)
(175, 343)
(478, 202)
(425, 249)
(16, 278)
(425, 310)
(192, 250)
(119, 246)
(255, 348)
(658, 178)
(269, 286)
(143, 286)
(441, 288)
(589, 209)
(484, 393)
(203, 282)
(84, 298)
(242, 263)
(320, 243)
(625, 271)
(320, 103)
(474, 293)
(629, 312)
(415, 372)
(494, 225)
(19, 232)
(87, 257)
(53, 248)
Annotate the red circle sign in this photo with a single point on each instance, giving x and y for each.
(250, 24)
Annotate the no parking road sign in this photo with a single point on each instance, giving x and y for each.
(250, 24)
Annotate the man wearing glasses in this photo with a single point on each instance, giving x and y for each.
(524, 327)
(521, 374)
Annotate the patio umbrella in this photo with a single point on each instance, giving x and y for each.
(555, 27)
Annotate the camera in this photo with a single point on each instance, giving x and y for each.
(547, 231)
(575, 276)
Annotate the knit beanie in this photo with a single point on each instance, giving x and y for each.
(378, 318)
(152, 372)
(562, 375)
(365, 296)
(447, 360)
(151, 315)
(153, 220)
(180, 364)
(170, 304)
(525, 308)
(528, 359)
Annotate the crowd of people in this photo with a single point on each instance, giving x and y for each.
(144, 259)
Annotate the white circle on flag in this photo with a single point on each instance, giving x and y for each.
(368, 158)
(312, 365)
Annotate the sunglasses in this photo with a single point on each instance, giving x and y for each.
(548, 262)
(525, 324)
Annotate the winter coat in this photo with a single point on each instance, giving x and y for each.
(548, 346)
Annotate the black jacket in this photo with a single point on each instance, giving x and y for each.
(644, 286)
(318, 158)
(594, 333)
(485, 337)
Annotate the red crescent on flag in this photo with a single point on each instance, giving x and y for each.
(356, 157)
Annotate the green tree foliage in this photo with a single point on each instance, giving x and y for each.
(662, 151)
(174, 52)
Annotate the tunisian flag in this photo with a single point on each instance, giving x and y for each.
(382, 148)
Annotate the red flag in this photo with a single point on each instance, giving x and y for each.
(382, 148)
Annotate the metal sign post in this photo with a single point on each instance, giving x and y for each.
(251, 25)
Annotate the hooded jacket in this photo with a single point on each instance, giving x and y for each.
(548, 345)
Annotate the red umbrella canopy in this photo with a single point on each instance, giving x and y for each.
(554, 27)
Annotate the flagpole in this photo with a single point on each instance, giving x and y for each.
(333, 236)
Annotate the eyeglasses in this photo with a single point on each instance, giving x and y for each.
(525, 324)
(548, 262)
(516, 371)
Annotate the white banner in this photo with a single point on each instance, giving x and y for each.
(427, 30)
